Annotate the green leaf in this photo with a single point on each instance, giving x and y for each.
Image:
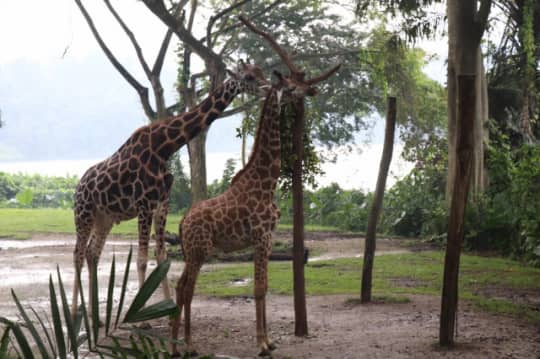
(82, 309)
(4, 342)
(157, 310)
(148, 288)
(72, 334)
(19, 336)
(124, 287)
(46, 331)
(110, 294)
(95, 302)
(30, 326)
(57, 322)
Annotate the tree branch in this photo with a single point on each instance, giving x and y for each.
(239, 109)
(238, 24)
(131, 37)
(212, 60)
(324, 76)
(277, 48)
(216, 17)
(483, 13)
(141, 90)
(158, 64)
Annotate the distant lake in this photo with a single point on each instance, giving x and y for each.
(351, 170)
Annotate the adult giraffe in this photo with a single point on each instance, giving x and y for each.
(135, 182)
(245, 215)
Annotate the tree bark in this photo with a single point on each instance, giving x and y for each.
(464, 165)
(300, 311)
(197, 167)
(386, 158)
(465, 28)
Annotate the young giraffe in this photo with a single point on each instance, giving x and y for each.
(245, 215)
(135, 182)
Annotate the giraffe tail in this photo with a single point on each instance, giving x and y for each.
(180, 237)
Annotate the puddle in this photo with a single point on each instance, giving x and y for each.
(240, 282)
(31, 243)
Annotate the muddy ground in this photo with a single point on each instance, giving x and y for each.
(337, 328)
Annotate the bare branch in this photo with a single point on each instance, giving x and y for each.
(219, 15)
(280, 51)
(224, 30)
(210, 58)
(132, 38)
(239, 109)
(324, 76)
(483, 13)
(158, 64)
(141, 90)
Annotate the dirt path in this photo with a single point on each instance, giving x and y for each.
(337, 328)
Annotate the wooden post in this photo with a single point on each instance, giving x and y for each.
(386, 158)
(462, 179)
(300, 311)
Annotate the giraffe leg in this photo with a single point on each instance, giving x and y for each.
(261, 287)
(145, 224)
(191, 277)
(101, 229)
(160, 220)
(180, 286)
(83, 224)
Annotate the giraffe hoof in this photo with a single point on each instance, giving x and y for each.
(191, 353)
(265, 352)
(271, 346)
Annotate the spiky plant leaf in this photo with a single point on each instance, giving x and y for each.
(46, 331)
(4, 342)
(94, 302)
(124, 287)
(71, 333)
(148, 288)
(30, 325)
(157, 310)
(20, 337)
(84, 312)
(110, 294)
(57, 322)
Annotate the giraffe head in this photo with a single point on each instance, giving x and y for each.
(251, 78)
(292, 88)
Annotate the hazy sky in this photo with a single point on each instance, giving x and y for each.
(64, 106)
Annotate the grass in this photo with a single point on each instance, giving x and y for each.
(21, 223)
(486, 282)
(395, 276)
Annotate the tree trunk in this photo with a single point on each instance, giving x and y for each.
(386, 158)
(464, 165)
(197, 168)
(300, 311)
(466, 58)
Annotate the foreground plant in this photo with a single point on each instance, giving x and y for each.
(55, 337)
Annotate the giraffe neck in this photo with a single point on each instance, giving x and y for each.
(171, 134)
(264, 163)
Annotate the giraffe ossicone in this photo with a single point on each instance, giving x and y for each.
(135, 182)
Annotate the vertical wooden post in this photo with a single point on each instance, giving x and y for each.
(386, 158)
(462, 179)
(300, 311)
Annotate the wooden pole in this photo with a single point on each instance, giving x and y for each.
(300, 311)
(462, 179)
(386, 158)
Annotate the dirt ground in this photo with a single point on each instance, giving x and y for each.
(337, 328)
